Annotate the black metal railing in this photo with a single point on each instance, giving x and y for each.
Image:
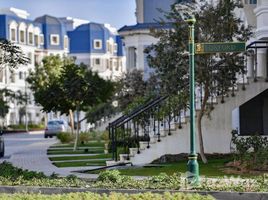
(147, 122)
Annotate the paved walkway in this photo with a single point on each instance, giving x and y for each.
(28, 151)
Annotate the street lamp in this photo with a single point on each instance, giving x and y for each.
(192, 165)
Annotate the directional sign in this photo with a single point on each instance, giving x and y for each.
(220, 47)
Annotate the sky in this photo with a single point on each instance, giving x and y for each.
(115, 12)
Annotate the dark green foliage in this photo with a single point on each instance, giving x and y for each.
(215, 73)
(132, 88)
(7, 170)
(65, 137)
(61, 85)
(11, 55)
(252, 151)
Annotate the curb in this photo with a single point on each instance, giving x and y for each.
(56, 190)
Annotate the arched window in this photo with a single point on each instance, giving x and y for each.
(22, 33)
(13, 31)
(30, 32)
(37, 36)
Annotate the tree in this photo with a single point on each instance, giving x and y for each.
(132, 86)
(215, 73)
(84, 88)
(11, 56)
(61, 85)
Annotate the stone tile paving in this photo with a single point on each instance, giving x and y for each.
(28, 151)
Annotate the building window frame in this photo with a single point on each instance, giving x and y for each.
(54, 39)
(13, 31)
(12, 77)
(41, 39)
(30, 38)
(66, 42)
(97, 61)
(115, 47)
(36, 40)
(97, 44)
(22, 36)
(13, 28)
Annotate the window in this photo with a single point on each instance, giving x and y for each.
(111, 65)
(1, 75)
(97, 61)
(12, 77)
(251, 1)
(54, 39)
(20, 75)
(97, 44)
(30, 56)
(36, 40)
(41, 39)
(66, 42)
(13, 35)
(107, 64)
(30, 38)
(22, 36)
(116, 65)
(115, 48)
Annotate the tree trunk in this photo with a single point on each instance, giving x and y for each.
(71, 121)
(199, 124)
(77, 128)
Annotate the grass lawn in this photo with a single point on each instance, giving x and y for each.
(80, 157)
(90, 151)
(90, 144)
(214, 168)
(81, 163)
(93, 147)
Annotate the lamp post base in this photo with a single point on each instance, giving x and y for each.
(193, 170)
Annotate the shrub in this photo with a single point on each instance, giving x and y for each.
(84, 137)
(22, 126)
(104, 136)
(252, 151)
(7, 170)
(65, 137)
(114, 196)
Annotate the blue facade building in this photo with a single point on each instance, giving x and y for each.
(100, 47)
(97, 45)
(54, 31)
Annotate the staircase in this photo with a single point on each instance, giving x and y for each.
(143, 143)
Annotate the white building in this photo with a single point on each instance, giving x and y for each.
(97, 45)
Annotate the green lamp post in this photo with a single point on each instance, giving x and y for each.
(192, 165)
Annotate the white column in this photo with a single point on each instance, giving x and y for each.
(262, 62)
(250, 64)
(262, 15)
(140, 57)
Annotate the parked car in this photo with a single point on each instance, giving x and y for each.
(55, 126)
(2, 145)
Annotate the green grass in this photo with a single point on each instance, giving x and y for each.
(58, 152)
(90, 144)
(73, 161)
(78, 149)
(214, 168)
(81, 163)
(80, 157)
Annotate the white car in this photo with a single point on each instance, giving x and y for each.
(55, 126)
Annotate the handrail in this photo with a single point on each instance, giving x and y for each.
(142, 110)
(123, 117)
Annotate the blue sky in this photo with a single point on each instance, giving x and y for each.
(115, 12)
